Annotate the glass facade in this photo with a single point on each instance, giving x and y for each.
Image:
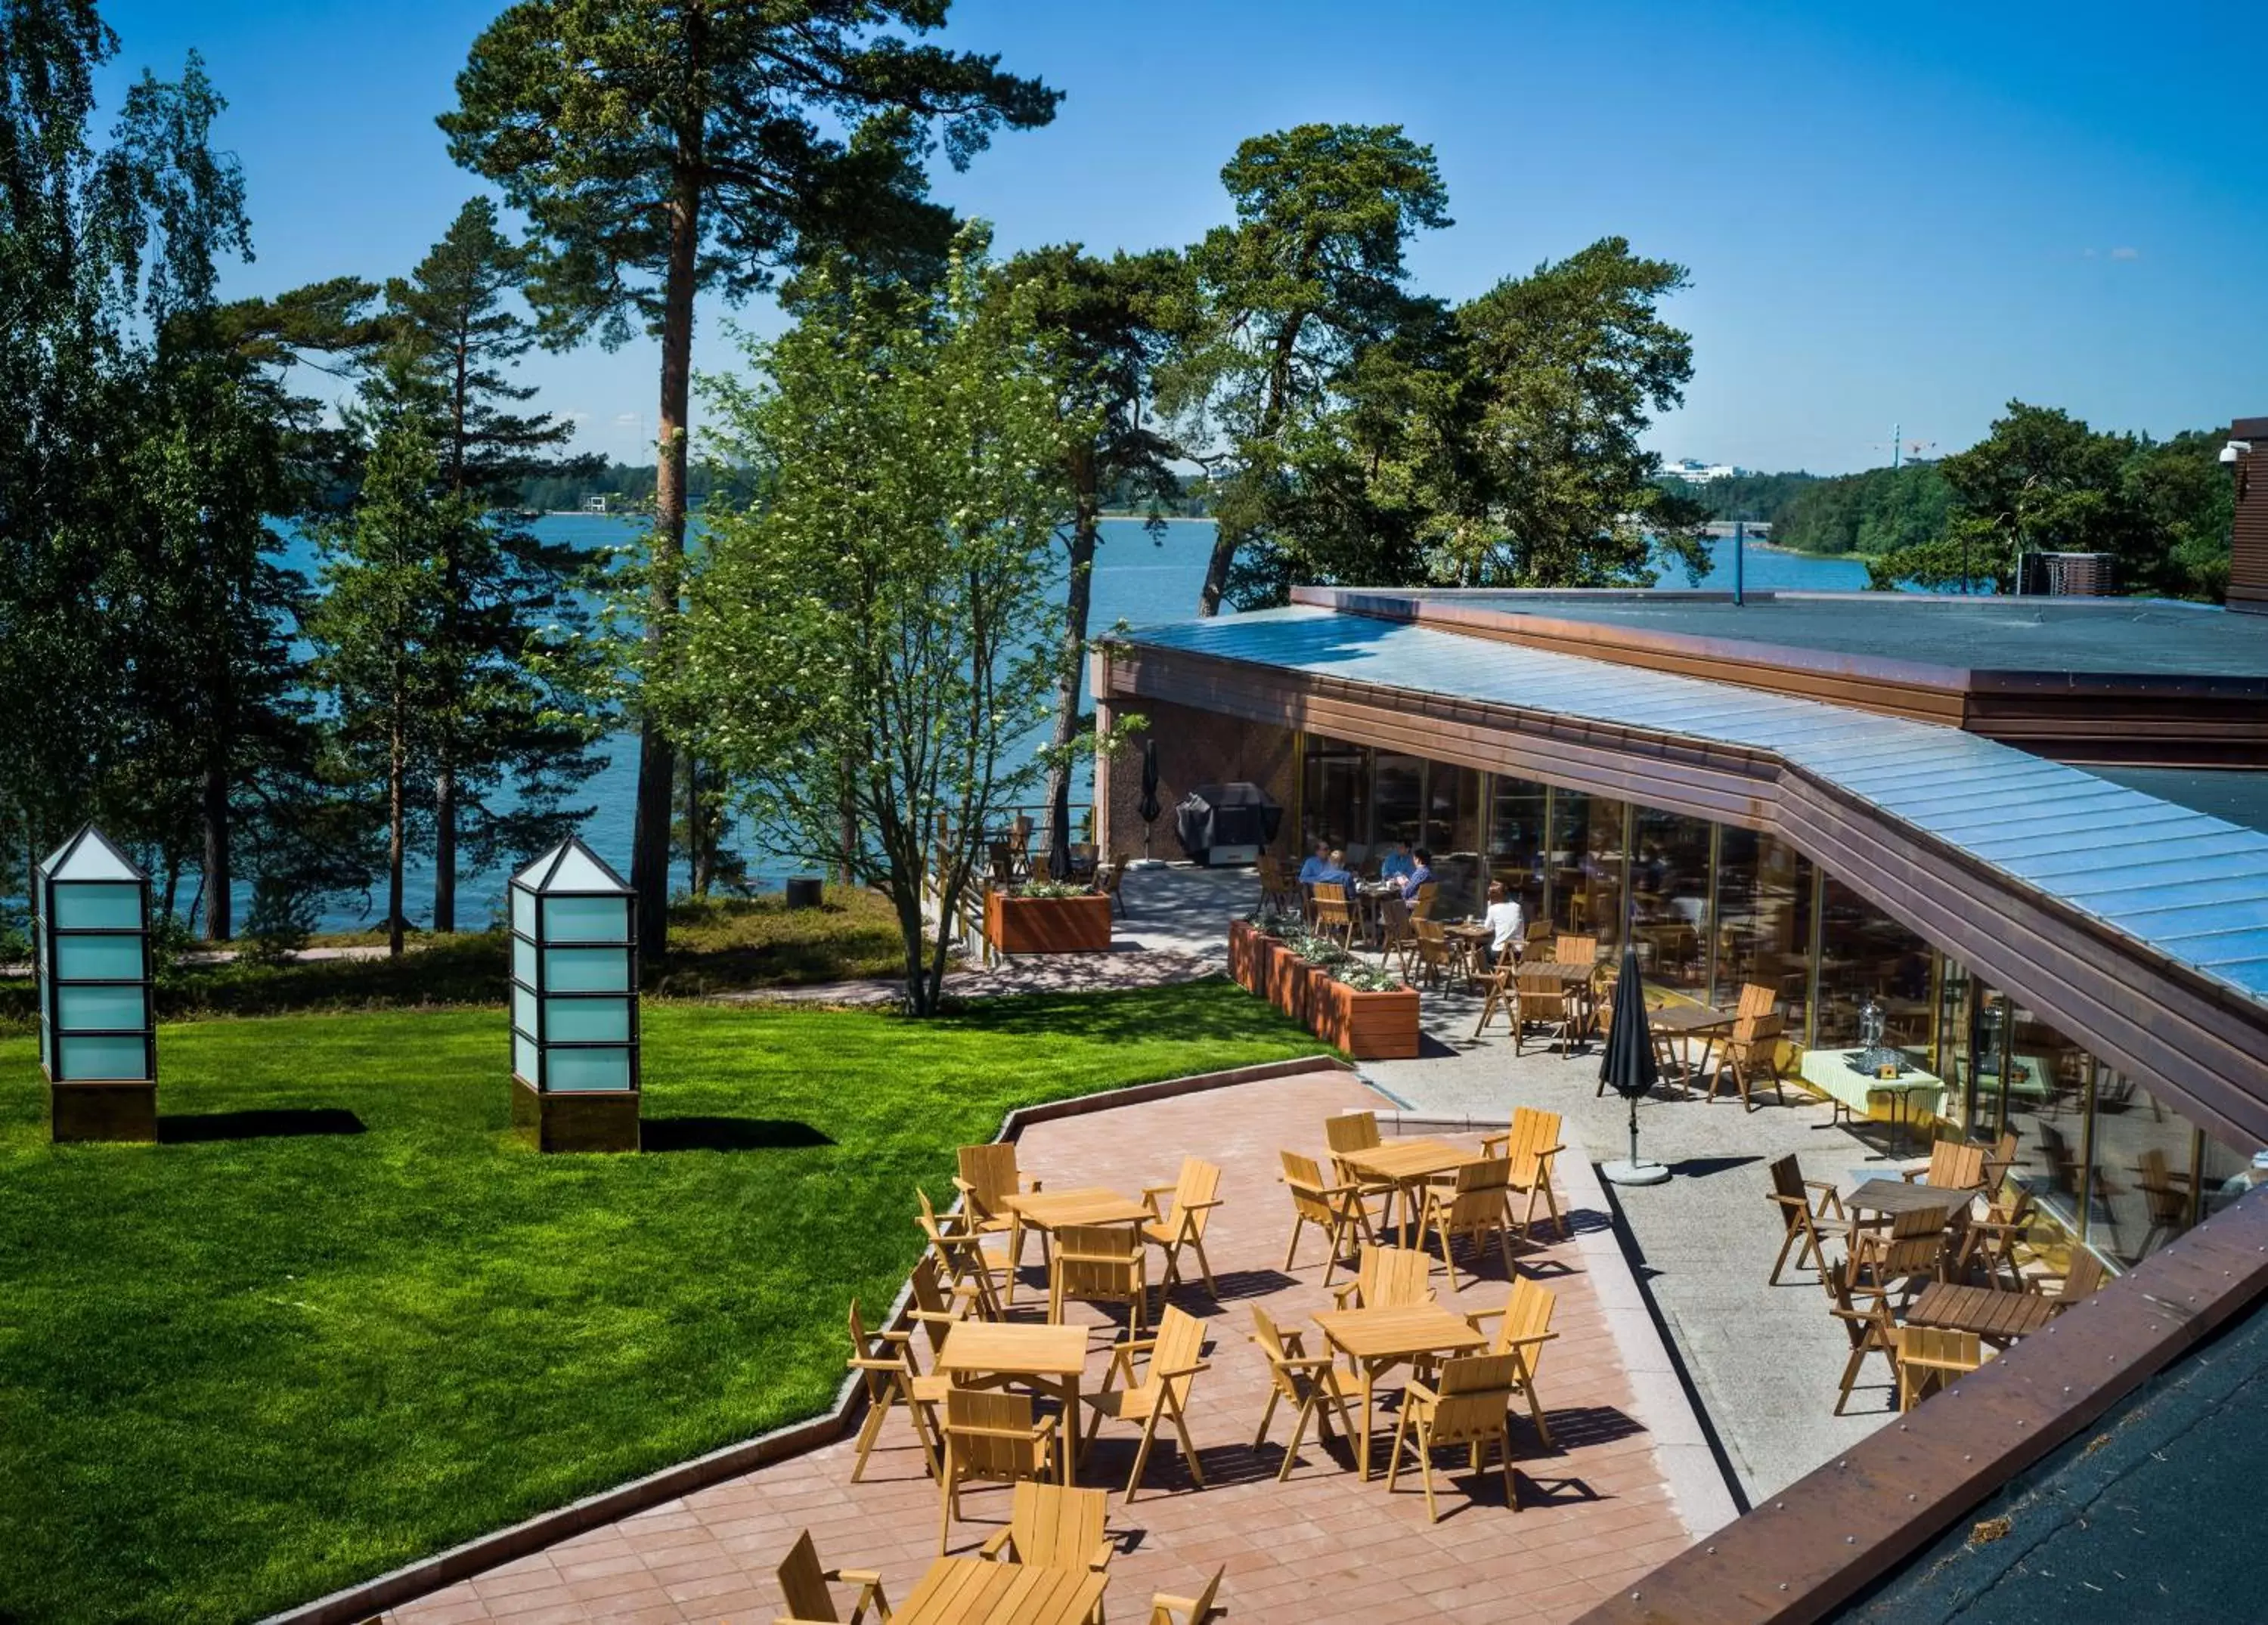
(1712, 908)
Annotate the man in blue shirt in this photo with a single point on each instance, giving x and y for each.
(1422, 875)
(1398, 862)
(1318, 860)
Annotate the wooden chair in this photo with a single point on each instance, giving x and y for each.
(1911, 1248)
(1388, 1278)
(1278, 890)
(1753, 1046)
(1469, 1403)
(1998, 1160)
(1531, 1145)
(986, 1179)
(1334, 916)
(1478, 1206)
(1421, 906)
(1052, 1527)
(1990, 1243)
(1548, 1002)
(961, 1254)
(1758, 999)
(1929, 1357)
(1337, 1210)
(934, 1310)
(1175, 1356)
(990, 1436)
(1499, 993)
(1196, 1194)
(1198, 1610)
(1001, 865)
(1804, 1206)
(1100, 1264)
(1397, 935)
(1953, 1164)
(1523, 1327)
(1110, 881)
(1575, 950)
(885, 1365)
(1434, 958)
(1872, 1330)
(1308, 1383)
(1355, 1131)
(803, 1585)
(2081, 1280)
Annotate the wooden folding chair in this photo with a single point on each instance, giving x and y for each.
(1469, 1403)
(1175, 1356)
(1523, 1327)
(1198, 1610)
(961, 1253)
(1100, 1264)
(990, 1436)
(1337, 1210)
(1308, 1383)
(1531, 1145)
(1871, 1329)
(1050, 1527)
(1930, 1356)
(803, 1585)
(986, 1179)
(1804, 1206)
(1478, 1206)
(1388, 1277)
(886, 1365)
(1196, 1194)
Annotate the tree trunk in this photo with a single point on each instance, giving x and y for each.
(1216, 579)
(217, 881)
(1077, 597)
(396, 770)
(444, 848)
(1225, 539)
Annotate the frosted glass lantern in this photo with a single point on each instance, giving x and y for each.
(98, 1036)
(574, 1003)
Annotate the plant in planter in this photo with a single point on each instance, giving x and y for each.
(1370, 1013)
(1047, 916)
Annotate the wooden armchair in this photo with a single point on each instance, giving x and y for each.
(1421, 906)
(960, 1251)
(803, 1584)
(1548, 1002)
(1337, 1210)
(1397, 935)
(1870, 1328)
(1196, 1194)
(1099, 1264)
(1469, 1403)
(1175, 1356)
(1198, 1610)
(1911, 1248)
(1355, 1131)
(934, 1310)
(1388, 1277)
(1929, 1357)
(1278, 890)
(886, 1365)
(1998, 1160)
(1990, 1243)
(1052, 1527)
(1478, 1206)
(1308, 1383)
(1805, 1206)
(1953, 1164)
(1753, 1047)
(1434, 960)
(1523, 1327)
(2081, 1280)
(1531, 1143)
(987, 1179)
(1333, 915)
(990, 1436)
(1500, 993)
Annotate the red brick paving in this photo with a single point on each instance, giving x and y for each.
(1594, 1515)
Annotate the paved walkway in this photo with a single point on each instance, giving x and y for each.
(1594, 1513)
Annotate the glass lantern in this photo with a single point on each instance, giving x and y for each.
(574, 1001)
(91, 946)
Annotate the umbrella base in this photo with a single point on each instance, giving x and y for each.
(1634, 1172)
(1147, 863)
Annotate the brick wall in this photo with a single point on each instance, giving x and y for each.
(1194, 748)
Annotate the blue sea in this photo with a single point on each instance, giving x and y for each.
(1139, 576)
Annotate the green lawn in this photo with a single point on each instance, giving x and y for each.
(247, 1366)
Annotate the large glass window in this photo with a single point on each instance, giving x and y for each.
(1398, 804)
(2226, 1173)
(1516, 846)
(1586, 866)
(1669, 897)
(1763, 921)
(1452, 809)
(1864, 954)
(2144, 1163)
(1335, 801)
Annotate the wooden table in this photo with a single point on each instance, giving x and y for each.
(968, 1591)
(1896, 1196)
(1376, 1340)
(994, 1354)
(1048, 1211)
(1689, 1022)
(1997, 1318)
(1407, 1164)
(1830, 1072)
(1468, 941)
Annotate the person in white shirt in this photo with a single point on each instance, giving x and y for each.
(1504, 922)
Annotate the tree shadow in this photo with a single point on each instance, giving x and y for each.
(729, 1134)
(267, 1123)
(1580, 1425)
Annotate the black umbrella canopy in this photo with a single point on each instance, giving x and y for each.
(1628, 1065)
(1150, 807)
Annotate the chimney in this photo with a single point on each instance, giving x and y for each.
(2247, 542)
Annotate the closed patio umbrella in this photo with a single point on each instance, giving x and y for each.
(1628, 1067)
(1149, 807)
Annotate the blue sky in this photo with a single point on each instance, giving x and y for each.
(1891, 214)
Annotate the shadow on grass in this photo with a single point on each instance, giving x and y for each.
(729, 1134)
(270, 1124)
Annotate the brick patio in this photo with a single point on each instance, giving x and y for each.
(1594, 1515)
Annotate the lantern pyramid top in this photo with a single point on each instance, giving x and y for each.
(571, 869)
(90, 855)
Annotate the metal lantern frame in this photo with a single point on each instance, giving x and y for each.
(58, 925)
(555, 878)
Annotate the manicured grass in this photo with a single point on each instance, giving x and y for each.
(341, 1318)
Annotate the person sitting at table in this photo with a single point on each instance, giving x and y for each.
(1398, 862)
(1422, 875)
(1334, 872)
(1318, 860)
(1505, 925)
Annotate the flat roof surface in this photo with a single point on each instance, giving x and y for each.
(2153, 638)
(2190, 885)
(2232, 793)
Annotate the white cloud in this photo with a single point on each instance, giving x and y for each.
(2125, 253)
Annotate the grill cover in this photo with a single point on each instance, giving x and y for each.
(1226, 815)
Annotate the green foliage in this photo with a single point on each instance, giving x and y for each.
(1751, 497)
(866, 645)
(1877, 511)
(270, 1364)
(278, 924)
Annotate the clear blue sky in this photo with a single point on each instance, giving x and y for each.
(1891, 214)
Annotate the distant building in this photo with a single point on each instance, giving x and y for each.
(595, 504)
(1695, 473)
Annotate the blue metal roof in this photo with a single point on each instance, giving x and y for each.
(2191, 885)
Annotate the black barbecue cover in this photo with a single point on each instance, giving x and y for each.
(1226, 815)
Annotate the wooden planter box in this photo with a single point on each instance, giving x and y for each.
(1367, 1027)
(1047, 924)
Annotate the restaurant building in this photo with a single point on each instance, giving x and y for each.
(2032, 833)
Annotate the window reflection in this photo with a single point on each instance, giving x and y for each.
(1515, 844)
(1335, 801)
(1397, 802)
(2145, 1177)
(1669, 897)
(1865, 954)
(1586, 866)
(1763, 921)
